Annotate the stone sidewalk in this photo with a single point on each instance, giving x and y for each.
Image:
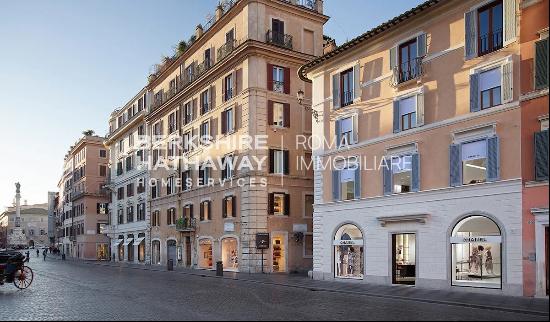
(534, 306)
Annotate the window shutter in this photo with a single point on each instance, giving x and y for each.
(234, 206)
(286, 162)
(415, 173)
(234, 87)
(210, 97)
(541, 64)
(287, 204)
(357, 82)
(271, 161)
(493, 159)
(358, 182)
(455, 165)
(507, 82)
(355, 129)
(470, 46)
(223, 89)
(541, 156)
(396, 119)
(191, 211)
(194, 107)
(337, 133)
(421, 45)
(387, 177)
(270, 203)
(509, 13)
(474, 93)
(270, 113)
(336, 91)
(224, 207)
(420, 109)
(202, 211)
(224, 122)
(236, 116)
(336, 185)
(393, 58)
(209, 210)
(269, 77)
(287, 80)
(286, 120)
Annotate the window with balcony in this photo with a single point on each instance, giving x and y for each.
(120, 193)
(205, 133)
(188, 211)
(187, 141)
(228, 87)
(277, 36)
(279, 161)
(278, 79)
(187, 113)
(172, 123)
(207, 58)
(205, 102)
(490, 28)
(346, 87)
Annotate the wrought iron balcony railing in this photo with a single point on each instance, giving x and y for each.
(186, 224)
(279, 39)
(407, 71)
(226, 49)
(490, 42)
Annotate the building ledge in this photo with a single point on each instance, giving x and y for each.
(419, 218)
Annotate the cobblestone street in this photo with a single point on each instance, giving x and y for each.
(68, 290)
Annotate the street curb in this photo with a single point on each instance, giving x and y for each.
(323, 289)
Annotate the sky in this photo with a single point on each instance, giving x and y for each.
(65, 65)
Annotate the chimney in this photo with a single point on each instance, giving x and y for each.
(199, 31)
(219, 12)
(329, 45)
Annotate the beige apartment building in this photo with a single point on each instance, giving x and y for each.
(34, 225)
(129, 216)
(84, 201)
(424, 118)
(236, 79)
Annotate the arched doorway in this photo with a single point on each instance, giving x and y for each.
(205, 259)
(348, 252)
(172, 251)
(31, 243)
(476, 244)
(230, 253)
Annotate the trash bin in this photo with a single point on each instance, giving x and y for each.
(219, 268)
(170, 265)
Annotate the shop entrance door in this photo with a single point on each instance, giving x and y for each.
(279, 256)
(404, 259)
(172, 251)
(187, 251)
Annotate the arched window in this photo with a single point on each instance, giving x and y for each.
(155, 252)
(348, 252)
(230, 253)
(477, 253)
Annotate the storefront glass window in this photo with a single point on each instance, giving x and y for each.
(477, 253)
(141, 248)
(230, 254)
(205, 254)
(156, 252)
(103, 252)
(348, 254)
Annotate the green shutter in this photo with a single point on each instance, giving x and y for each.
(541, 156)
(541, 64)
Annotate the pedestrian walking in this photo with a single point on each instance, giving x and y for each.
(44, 253)
(28, 256)
(37, 252)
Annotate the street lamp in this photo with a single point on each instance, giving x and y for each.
(300, 96)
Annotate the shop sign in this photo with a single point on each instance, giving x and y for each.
(348, 243)
(299, 228)
(476, 239)
(262, 241)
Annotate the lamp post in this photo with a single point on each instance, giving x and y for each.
(300, 96)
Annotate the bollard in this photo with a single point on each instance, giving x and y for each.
(219, 268)
(170, 265)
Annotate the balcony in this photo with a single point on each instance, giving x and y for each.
(203, 67)
(279, 39)
(407, 72)
(186, 224)
(226, 49)
(490, 42)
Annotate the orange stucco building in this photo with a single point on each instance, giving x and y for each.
(534, 145)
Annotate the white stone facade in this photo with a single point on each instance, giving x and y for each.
(500, 201)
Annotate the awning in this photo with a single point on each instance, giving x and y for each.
(128, 241)
(139, 240)
(117, 242)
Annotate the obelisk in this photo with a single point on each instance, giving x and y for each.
(17, 238)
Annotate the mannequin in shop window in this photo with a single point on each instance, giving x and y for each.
(351, 260)
(475, 261)
(489, 261)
